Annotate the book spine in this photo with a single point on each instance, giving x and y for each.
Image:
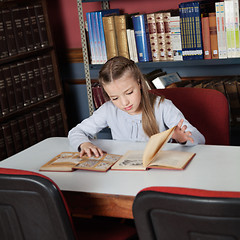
(3, 41)
(31, 129)
(37, 119)
(16, 134)
(236, 26)
(23, 12)
(37, 79)
(24, 84)
(46, 125)
(34, 27)
(8, 138)
(213, 35)
(230, 33)
(130, 46)
(23, 131)
(31, 81)
(17, 86)
(8, 27)
(44, 77)
(176, 38)
(102, 37)
(152, 26)
(168, 42)
(134, 46)
(52, 120)
(50, 73)
(161, 35)
(142, 38)
(91, 41)
(223, 53)
(41, 25)
(18, 31)
(96, 40)
(96, 35)
(121, 35)
(3, 95)
(206, 38)
(9, 88)
(59, 119)
(3, 152)
(110, 36)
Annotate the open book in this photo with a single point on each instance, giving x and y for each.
(153, 156)
(69, 161)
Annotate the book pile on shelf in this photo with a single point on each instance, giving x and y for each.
(30, 128)
(22, 29)
(197, 30)
(26, 82)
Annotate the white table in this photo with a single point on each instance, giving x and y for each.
(112, 193)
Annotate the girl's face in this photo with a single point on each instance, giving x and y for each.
(125, 93)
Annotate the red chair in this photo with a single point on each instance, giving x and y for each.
(205, 109)
(172, 213)
(33, 207)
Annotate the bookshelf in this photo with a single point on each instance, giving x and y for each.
(31, 95)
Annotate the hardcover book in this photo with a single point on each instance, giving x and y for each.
(142, 38)
(206, 38)
(213, 35)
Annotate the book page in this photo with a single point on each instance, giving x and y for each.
(155, 143)
(131, 160)
(101, 164)
(171, 159)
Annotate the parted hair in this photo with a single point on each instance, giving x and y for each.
(114, 69)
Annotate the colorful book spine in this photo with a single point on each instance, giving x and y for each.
(100, 15)
(142, 38)
(230, 33)
(152, 26)
(91, 41)
(191, 30)
(221, 33)
(168, 42)
(176, 38)
(213, 35)
(121, 34)
(206, 38)
(96, 38)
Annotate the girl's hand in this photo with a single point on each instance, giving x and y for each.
(89, 149)
(181, 135)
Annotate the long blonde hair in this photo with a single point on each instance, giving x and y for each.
(114, 69)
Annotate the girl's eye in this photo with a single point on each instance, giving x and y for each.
(128, 93)
(114, 99)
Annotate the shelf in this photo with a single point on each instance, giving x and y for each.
(190, 63)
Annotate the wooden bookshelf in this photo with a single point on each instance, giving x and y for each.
(32, 103)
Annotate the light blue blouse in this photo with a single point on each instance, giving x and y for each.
(124, 126)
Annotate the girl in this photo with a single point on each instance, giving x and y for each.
(132, 112)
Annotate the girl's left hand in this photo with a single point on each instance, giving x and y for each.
(180, 134)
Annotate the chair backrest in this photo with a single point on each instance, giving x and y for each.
(180, 213)
(32, 207)
(205, 109)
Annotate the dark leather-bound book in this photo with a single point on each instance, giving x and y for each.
(52, 120)
(31, 81)
(46, 124)
(8, 28)
(3, 41)
(59, 119)
(38, 122)
(7, 134)
(24, 83)
(23, 12)
(44, 77)
(37, 79)
(41, 25)
(32, 136)
(34, 27)
(50, 74)
(3, 95)
(3, 152)
(24, 133)
(18, 31)
(17, 86)
(17, 138)
(9, 88)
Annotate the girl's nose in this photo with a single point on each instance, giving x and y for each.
(124, 101)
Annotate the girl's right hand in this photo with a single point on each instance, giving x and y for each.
(89, 149)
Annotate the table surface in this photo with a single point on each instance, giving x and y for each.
(213, 168)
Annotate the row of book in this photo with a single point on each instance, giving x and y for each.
(22, 29)
(197, 30)
(26, 82)
(229, 86)
(28, 129)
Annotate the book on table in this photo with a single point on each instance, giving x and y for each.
(152, 157)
